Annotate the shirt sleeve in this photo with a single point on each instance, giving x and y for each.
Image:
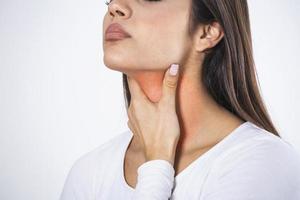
(155, 181)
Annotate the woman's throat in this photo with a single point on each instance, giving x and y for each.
(150, 83)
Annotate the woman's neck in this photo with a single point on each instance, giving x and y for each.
(203, 122)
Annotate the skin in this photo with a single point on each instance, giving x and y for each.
(160, 37)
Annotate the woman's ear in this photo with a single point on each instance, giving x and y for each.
(208, 36)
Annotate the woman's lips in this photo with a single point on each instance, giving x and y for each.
(115, 32)
(115, 36)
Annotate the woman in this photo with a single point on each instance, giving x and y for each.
(202, 120)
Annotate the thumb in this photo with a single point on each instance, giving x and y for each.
(170, 85)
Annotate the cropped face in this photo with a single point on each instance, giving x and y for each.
(158, 32)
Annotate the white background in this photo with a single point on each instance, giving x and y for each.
(58, 100)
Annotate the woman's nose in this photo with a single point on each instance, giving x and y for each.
(118, 9)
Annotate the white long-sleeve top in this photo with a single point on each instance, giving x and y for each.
(248, 164)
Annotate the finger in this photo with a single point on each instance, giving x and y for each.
(135, 90)
(170, 85)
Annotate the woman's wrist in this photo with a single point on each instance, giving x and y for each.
(170, 159)
(162, 152)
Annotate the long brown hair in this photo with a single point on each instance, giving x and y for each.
(228, 70)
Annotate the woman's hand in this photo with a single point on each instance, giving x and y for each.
(155, 124)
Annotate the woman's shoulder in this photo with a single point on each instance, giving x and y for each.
(263, 147)
(106, 150)
(86, 170)
(97, 160)
(264, 166)
(265, 158)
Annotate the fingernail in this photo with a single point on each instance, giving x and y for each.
(174, 69)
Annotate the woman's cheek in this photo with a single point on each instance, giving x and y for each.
(176, 48)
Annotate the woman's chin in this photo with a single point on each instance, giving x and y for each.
(116, 64)
(121, 64)
(118, 68)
